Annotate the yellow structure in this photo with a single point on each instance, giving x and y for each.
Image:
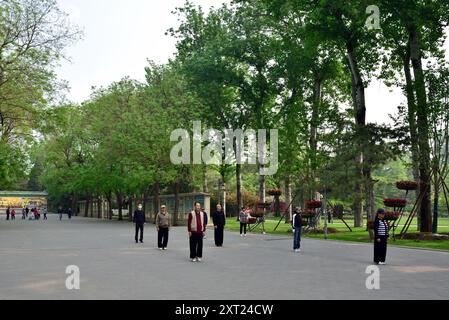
(20, 199)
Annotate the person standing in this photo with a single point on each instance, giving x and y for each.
(380, 238)
(27, 211)
(163, 228)
(243, 217)
(37, 215)
(139, 220)
(60, 211)
(13, 214)
(219, 220)
(69, 213)
(297, 227)
(196, 225)
(45, 213)
(8, 213)
(23, 213)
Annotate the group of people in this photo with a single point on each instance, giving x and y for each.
(35, 213)
(196, 226)
(61, 213)
(198, 220)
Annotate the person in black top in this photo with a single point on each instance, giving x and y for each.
(139, 220)
(219, 220)
(297, 229)
(8, 212)
(380, 238)
(27, 211)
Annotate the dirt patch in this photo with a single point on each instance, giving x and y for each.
(321, 231)
(426, 236)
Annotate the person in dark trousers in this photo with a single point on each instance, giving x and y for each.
(69, 213)
(297, 228)
(27, 211)
(243, 217)
(219, 220)
(163, 228)
(45, 213)
(13, 214)
(8, 213)
(60, 212)
(23, 213)
(139, 220)
(381, 236)
(196, 225)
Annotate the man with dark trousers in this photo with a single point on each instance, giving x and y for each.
(8, 212)
(139, 220)
(197, 223)
(219, 219)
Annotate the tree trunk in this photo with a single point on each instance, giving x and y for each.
(120, 206)
(109, 199)
(156, 192)
(411, 103)
(176, 211)
(423, 130)
(87, 207)
(358, 94)
(204, 173)
(288, 200)
(99, 207)
(313, 142)
(130, 209)
(75, 204)
(238, 171)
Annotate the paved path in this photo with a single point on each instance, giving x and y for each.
(34, 256)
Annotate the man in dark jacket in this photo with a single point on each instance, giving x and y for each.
(8, 212)
(139, 220)
(197, 225)
(297, 227)
(219, 220)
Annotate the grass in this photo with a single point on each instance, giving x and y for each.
(358, 234)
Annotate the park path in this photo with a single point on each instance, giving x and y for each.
(34, 256)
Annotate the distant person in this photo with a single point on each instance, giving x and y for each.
(196, 226)
(24, 216)
(69, 213)
(27, 210)
(45, 213)
(243, 217)
(60, 211)
(37, 215)
(380, 238)
(163, 228)
(139, 220)
(8, 213)
(13, 214)
(297, 227)
(219, 220)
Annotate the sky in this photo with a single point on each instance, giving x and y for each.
(120, 36)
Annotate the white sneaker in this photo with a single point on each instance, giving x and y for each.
(244, 235)
(241, 235)
(382, 263)
(193, 260)
(199, 259)
(160, 249)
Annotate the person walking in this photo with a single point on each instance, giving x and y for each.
(37, 215)
(219, 220)
(196, 225)
(297, 228)
(69, 213)
(381, 236)
(139, 221)
(23, 213)
(243, 217)
(45, 213)
(60, 211)
(13, 214)
(8, 213)
(163, 228)
(27, 211)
